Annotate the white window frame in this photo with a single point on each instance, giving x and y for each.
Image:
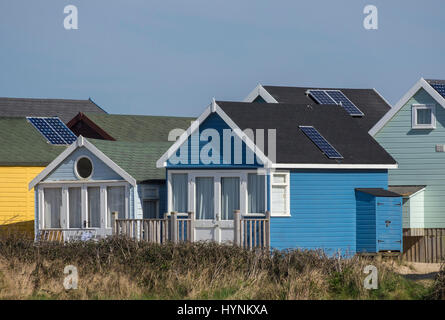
(84, 205)
(77, 173)
(286, 185)
(217, 175)
(416, 107)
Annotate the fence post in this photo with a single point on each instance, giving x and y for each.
(267, 229)
(114, 216)
(191, 235)
(237, 227)
(174, 227)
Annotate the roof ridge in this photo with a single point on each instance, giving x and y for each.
(44, 99)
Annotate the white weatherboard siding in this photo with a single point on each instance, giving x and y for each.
(419, 163)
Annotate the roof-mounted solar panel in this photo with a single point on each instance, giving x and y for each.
(335, 97)
(53, 129)
(440, 88)
(342, 100)
(321, 97)
(321, 142)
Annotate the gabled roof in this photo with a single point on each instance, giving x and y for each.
(137, 158)
(369, 101)
(134, 128)
(22, 145)
(406, 190)
(65, 109)
(293, 148)
(421, 84)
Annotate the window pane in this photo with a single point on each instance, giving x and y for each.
(150, 209)
(75, 208)
(229, 197)
(115, 202)
(256, 193)
(204, 198)
(180, 192)
(279, 178)
(52, 207)
(279, 202)
(423, 116)
(93, 207)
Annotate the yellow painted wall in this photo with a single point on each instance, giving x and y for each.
(16, 201)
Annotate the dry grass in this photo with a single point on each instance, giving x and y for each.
(117, 268)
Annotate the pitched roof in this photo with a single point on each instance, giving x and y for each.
(137, 128)
(368, 101)
(22, 145)
(406, 190)
(65, 109)
(137, 158)
(438, 85)
(294, 147)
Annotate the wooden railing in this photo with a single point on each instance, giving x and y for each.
(174, 227)
(252, 232)
(62, 235)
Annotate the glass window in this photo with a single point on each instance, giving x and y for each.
(75, 208)
(280, 194)
(150, 209)
(93, 207)
(115, 202)
(84, 168)
(52, 207)
(423, 116)
(179, 192)
(230, 197)
(256, 188)
(205, 198)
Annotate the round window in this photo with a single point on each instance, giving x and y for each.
(84, 168)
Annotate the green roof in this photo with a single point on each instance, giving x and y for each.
(139, 128)
(22, 145)
(137, 158)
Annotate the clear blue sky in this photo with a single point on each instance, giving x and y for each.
(170, 57)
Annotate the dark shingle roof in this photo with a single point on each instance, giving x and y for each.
(406, 190)
(378, 192)
(139, 128)
(293, 146)
(367, 100)
(435, 81)
(137, 158)
(22, 145)
(65, 109)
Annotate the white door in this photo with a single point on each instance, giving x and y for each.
(215, 200)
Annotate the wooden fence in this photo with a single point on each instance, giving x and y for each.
(175, 228)
(424, 245)
(252, 232)
(249, 232)
(62, 235)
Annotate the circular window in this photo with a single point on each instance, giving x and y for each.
(84, 168)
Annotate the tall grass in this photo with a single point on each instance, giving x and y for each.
(117, 268)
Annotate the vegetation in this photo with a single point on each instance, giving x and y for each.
(117, 268)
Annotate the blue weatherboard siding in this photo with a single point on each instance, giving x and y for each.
(323, 209)
(419, 163)
(214, 121)
(366, 223)
(65, 171)
(389, 235)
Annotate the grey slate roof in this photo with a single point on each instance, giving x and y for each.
(367, 100)
(293, 146)
(65, 109)
(378, 192)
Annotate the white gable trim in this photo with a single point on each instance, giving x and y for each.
(422, 83)
(81, 142)
(260, 91)
(213, 107)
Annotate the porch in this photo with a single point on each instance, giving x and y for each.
(248, 232)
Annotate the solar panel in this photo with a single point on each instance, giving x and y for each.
(440, 88)
(321, 142)
(54, 130)
(321, 97)
(341, 99)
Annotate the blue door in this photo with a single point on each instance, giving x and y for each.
(389, 223)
